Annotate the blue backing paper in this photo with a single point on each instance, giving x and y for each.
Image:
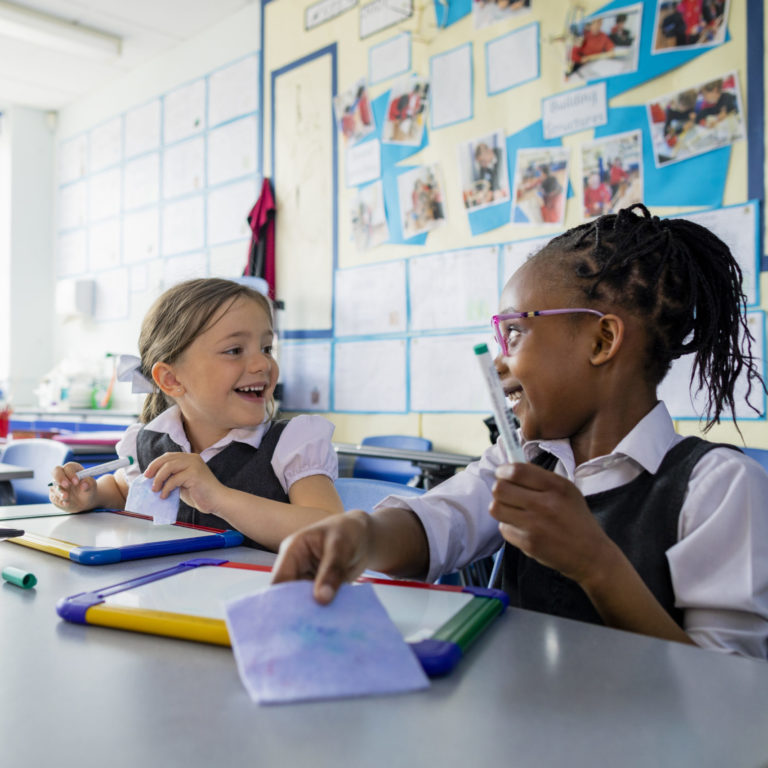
(697, 181)
(456, 10)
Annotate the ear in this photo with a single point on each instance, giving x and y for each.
(607, 340)
(165, 378)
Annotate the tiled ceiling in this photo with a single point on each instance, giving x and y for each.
(37, 76)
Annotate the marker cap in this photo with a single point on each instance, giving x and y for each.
(23, 579)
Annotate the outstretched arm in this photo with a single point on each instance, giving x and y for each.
(340, 548)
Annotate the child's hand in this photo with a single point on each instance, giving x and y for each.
(546, 517)
(187, 471)
(68, 492)
(331, 552)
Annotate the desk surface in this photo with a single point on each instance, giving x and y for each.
(533, 691)
(12, 472)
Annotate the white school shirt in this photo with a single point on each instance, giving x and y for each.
(304, 447)
(719, 565)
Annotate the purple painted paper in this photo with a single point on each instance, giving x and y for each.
(289, 648)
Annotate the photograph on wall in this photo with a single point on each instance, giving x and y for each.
(353, 113)
(483, 169)
(421, 195)
(604, 46)
(541, 185)
(406, 111)
(697, 120)
(687, 24)
(612, 173)
(368, 217)
(486, 12)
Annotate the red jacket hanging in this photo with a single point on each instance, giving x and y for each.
(261, 256)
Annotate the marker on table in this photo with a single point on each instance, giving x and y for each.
(10, 533)
(505, 419)
(102, 469)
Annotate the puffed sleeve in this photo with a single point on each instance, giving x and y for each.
(126, 446)
(305, 449)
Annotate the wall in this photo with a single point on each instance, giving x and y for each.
(289, 44)
(127, 282)
(28, 237)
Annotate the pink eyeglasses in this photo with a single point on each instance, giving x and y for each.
(502, 334)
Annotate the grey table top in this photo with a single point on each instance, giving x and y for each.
(12, 472)
(533, 691)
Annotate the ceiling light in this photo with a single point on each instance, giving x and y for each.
(52, 32)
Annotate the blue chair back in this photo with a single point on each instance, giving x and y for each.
(40, 455)
(365, 493)
(393, 470)
(760, 455)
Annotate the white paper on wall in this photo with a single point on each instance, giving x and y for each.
(456, 289)
(370, 300)
(183, 225)
(233, 91)
(232, 150)
(370, 376)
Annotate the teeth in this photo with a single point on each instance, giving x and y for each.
(251, 389)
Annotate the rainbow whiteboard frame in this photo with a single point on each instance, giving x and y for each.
(438, 654)
(199, 539)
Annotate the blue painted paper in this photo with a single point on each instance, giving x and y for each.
(290, 648)
(449, 12)
(697, 181)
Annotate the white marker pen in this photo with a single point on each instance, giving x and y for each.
(102, 469)
(505, 419)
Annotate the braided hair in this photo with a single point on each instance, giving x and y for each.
(685, 284)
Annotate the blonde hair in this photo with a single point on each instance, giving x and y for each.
(177, 318)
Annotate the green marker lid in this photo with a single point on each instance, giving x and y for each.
(481, 349)
(23, 579)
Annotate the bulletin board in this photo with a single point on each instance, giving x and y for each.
(467, 135)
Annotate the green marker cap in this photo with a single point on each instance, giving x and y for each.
(23, 579)
(481, 349)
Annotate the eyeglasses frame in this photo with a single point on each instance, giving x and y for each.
(497, 319)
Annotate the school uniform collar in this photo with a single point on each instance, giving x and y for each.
(169, 422)
(646, 444)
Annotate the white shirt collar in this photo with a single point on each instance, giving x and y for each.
(170, 422)
(646, 443)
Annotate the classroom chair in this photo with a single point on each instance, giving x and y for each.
(40, 455)
(394, 470)
(760, 455)
(365, 493)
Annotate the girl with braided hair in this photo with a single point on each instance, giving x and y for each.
(614, 518)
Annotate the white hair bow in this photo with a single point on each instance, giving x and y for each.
(129, 369)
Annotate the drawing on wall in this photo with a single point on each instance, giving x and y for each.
(612, 173)
(485, 12)
(353, 112)
(699, 119)
(604, 45)
(368, 217)
(686, 24)
(406, 111)
(483, 169)
(421, 195)
(541, 183)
